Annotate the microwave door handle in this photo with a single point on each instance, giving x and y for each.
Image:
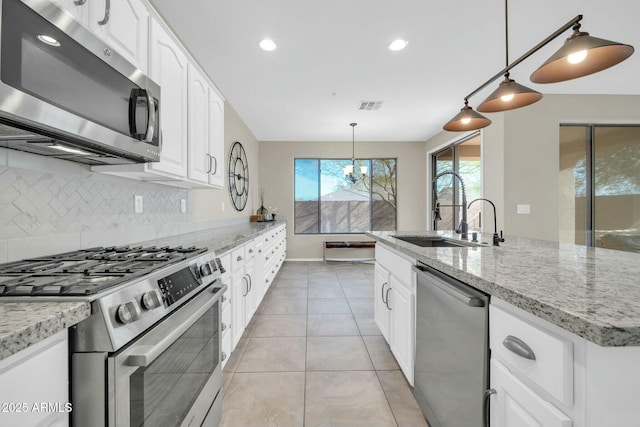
(151, 116)
(107, 12)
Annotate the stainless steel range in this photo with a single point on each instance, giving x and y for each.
(149, 354)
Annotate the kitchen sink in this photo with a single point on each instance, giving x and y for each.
(433, 242)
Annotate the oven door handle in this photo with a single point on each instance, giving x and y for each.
(143, 355)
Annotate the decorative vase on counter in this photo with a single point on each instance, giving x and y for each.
(262, 211)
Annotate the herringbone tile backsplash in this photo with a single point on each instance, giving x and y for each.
(38, 203)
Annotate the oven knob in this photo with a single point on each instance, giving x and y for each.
(128, 312)
(205, 269)
(151, 300)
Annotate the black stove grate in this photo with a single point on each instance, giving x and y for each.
(86, 272)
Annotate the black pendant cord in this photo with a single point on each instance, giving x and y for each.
(506, 34)
(571, 24)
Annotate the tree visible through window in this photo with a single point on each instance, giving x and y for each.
(326, 202)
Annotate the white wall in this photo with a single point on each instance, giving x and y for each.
(276, 176)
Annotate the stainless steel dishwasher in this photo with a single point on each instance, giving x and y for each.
(452, 350)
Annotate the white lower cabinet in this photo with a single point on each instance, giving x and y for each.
(516, 405)
(394, 307)
(34, 385)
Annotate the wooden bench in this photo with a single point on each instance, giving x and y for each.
(347, 245)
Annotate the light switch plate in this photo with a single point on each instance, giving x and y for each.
(183, 205)
(523, 209)
(137, 204)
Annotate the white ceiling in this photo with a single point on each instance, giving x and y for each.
(332, 54)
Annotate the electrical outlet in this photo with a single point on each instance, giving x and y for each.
(222, 206)
(137, 203)
(523, 209)
(183, 205)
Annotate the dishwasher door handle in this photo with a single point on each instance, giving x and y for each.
(452, 290)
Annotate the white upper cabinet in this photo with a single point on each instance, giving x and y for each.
(168, 68)
(206, 131)
(124, 25)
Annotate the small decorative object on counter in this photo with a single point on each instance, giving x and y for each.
(255, 218)
(262, 211)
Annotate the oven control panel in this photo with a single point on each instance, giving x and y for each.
(178, 285)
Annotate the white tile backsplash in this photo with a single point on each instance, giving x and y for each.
(3, 251)
(27, 247)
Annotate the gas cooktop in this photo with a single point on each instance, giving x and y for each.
(86, 272)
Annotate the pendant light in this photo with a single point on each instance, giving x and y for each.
(509, 94)
(466, 119)
(349, 169)
(580, 56)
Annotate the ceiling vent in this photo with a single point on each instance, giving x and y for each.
(370, 105)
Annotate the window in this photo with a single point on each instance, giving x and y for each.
(464, 158)
(599, 186)
(325, 202)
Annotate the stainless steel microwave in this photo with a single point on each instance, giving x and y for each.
(64, 93)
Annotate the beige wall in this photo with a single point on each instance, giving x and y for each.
(276, 166)
(208, 203)
(520, 155)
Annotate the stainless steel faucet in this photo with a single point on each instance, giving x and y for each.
(496, 239)
(463, 228)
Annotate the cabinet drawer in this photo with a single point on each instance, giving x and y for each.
(552, 369)
(401, 267)
(237, 258)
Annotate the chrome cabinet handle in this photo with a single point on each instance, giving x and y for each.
(223, 326)
(107, 11)
(485, 406)
(387, 301)
(210, 162)
(250, 282)
(259, 251)
(224, 356)
(250, 251)
(383, 285)
(239, 258)
(519, 347)
(244, 294)
(215, 163)
(224, 298)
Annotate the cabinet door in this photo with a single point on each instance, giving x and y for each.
(168, 68)
(125, 27)
(200, 162)
(382, 315)
(516, 405)
(401, 301)
(216, 141)
(238, 290)
(80, 12)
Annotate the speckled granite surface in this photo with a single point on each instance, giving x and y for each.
(219, 239)
(26, 323)
(592, 292)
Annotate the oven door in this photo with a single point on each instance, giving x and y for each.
(59, 80)
(172, 376)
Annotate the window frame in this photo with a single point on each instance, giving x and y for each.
(369, 177)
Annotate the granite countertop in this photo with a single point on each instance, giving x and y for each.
(591, 292)
(25, 323)
(218, 239)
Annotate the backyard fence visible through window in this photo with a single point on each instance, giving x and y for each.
(327, 203)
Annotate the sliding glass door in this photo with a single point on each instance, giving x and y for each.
(599, 196)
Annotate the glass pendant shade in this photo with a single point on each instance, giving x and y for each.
(466, 119)
(348, 170)
(581, 55)
(363, 170)
(509, 95)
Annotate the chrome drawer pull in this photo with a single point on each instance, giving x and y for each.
(224, 356)
(519, 347)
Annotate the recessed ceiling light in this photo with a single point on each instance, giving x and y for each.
(48, 40)
(267, 44)
(398, 45)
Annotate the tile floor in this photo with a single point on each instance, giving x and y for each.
(313, 356)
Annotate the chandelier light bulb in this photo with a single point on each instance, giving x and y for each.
(577, 57)
(466, 121)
